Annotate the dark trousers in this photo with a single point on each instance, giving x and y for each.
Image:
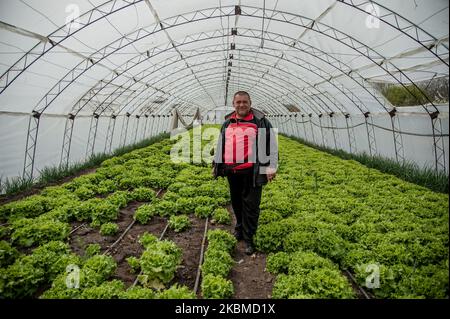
(245, 200)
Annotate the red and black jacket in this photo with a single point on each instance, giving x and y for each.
(239, 152)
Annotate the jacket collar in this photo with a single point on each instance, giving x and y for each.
(256, 113)
(249, 116)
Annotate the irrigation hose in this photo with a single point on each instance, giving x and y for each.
(76, 228)
(120, 237)
(202, 251)
(359, 287)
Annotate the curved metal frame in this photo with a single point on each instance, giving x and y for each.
(403, 25)
(276, 15)
(137, 35)
(110, 7)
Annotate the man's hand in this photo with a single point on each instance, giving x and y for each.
(271, 172)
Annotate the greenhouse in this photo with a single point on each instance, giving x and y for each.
(97, 96)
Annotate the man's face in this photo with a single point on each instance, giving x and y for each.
(242, 105)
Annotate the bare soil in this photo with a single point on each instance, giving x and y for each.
(249, 278)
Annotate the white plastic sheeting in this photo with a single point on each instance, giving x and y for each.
(415, 126)
(148, 57)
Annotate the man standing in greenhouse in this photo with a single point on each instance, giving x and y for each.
(247, 154)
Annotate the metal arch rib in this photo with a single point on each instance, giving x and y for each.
(56, 37)
(152, 84)
(158, 20)
(187, 82)
(258, 95)
(334, 34)
(342, 38)
(168, 75)
(213, 69)
(268, 88)
(312, 52)
(337, 35)
(397, 21)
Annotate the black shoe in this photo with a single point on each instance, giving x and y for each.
(249, 250)
(238, 235)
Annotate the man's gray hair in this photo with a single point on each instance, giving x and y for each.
(242, 93)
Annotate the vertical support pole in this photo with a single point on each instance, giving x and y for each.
(321, 131)
(158, 125)
(304, 127)
(291, 125)
(370, 135)
(351, 138)
(438, 142)
(397, 137)
(137, 128)
(145, 127)
(92, 135)
(67, 141)
(124, 132)
(166, 123)
(280, 123)
(297, 127)
(152, 124)
(333, 127)
(110, 134)
(30, 148)
(312, 129)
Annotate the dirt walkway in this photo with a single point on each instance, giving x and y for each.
(250, 280)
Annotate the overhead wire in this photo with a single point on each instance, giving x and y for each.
(263, 31)
(46, 17)
(53, 23)
(156, 16)
(400, 34)
(42, 38)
